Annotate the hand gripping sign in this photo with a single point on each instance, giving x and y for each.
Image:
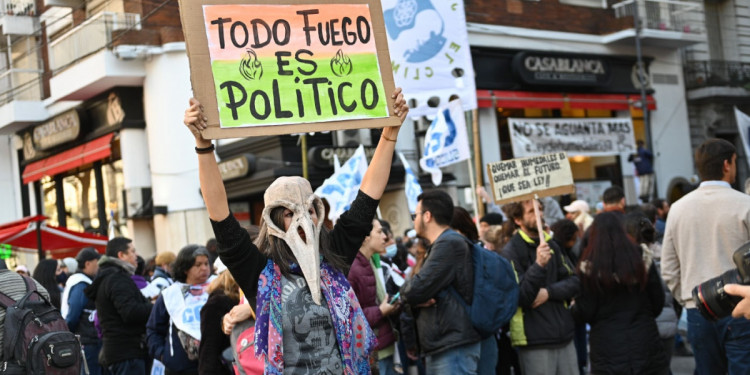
(530, 178)
(263, 67)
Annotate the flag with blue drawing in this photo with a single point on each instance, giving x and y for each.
(446, 141)
(341, 188)
(412, 187)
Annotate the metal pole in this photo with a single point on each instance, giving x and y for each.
(642, 80)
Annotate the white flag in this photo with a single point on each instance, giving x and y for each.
(412, 187)
(743, 126)
(341, 188)
(446, 141)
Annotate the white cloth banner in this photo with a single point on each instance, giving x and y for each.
(430, 54)
(341, 188)
(576, 136)
(743, 127)
(411, 184)
(446, 141)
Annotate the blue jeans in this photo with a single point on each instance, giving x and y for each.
(385, 366)
(488, 356)
(719, 347)
(92, 359)
(128, 367)
(460, 360)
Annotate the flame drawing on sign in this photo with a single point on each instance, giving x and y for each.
(250, 66)
(341, 65)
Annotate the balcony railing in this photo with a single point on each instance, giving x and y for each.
(18, 7)
(91, 36)
(717, 73)
(20, 84)
(665, 15)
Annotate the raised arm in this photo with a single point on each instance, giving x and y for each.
(376, 177)
(212, 186)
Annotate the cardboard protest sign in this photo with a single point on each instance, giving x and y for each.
(576, 136)
(262, 67)
(521, 179)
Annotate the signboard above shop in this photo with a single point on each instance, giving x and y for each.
(537, 68)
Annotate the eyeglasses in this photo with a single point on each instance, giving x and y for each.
(414, 215)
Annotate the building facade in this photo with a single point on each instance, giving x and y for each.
(92, 94)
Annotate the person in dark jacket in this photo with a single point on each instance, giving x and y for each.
(77, 309)
(302, 264)
(369, 287)
(173, 329)
(542, 329)
(446, 334)
(224, 294)
(621, 295)
(121, 308)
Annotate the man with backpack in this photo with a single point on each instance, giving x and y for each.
(122, 310)
(77, 309)
(543, 327)
(32, 330)
(446, 334)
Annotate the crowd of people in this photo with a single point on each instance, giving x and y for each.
(597, 293)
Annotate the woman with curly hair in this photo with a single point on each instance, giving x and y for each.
(296, 266)
(173, 329)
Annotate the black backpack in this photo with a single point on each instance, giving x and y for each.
(36, 339)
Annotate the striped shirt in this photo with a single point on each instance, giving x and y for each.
(12, 285)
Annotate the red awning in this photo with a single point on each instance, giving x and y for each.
(554, 100)
(89, 152)
(60, 242)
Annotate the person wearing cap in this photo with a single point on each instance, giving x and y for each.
(22, 270)
(77, 309)
(578, 211)
(162, 278)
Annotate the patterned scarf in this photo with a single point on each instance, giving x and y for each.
(354, 335)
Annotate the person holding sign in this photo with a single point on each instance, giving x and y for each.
(543, 327)
(308, 318)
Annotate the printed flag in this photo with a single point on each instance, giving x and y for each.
(446, 141)
(412, 188)
(341, 188)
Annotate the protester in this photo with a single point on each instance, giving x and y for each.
(121, 309)
(446, 334)
(620, 296)
(162, 278)
(295, 253)
(224, 294)
(567, 235)
(212, 246)
(639, 227)
(14, 286)
(78, 310)
(614, 200)
(704, 229)
(662, 211)
(552, 211)
(173, 329)
(368, 284)
(643, 160)
(139, 278)
(46, 274)
(22, 270)
(462, 223)
(487, 221)
(578, 211)
(543, 328)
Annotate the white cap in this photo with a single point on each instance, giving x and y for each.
(412, 233)
(219, 266)
(577, 206)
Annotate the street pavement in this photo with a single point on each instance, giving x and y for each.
(682, 365)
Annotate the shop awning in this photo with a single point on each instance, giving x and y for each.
(89, 152)
(554, 100)
(60, 242)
